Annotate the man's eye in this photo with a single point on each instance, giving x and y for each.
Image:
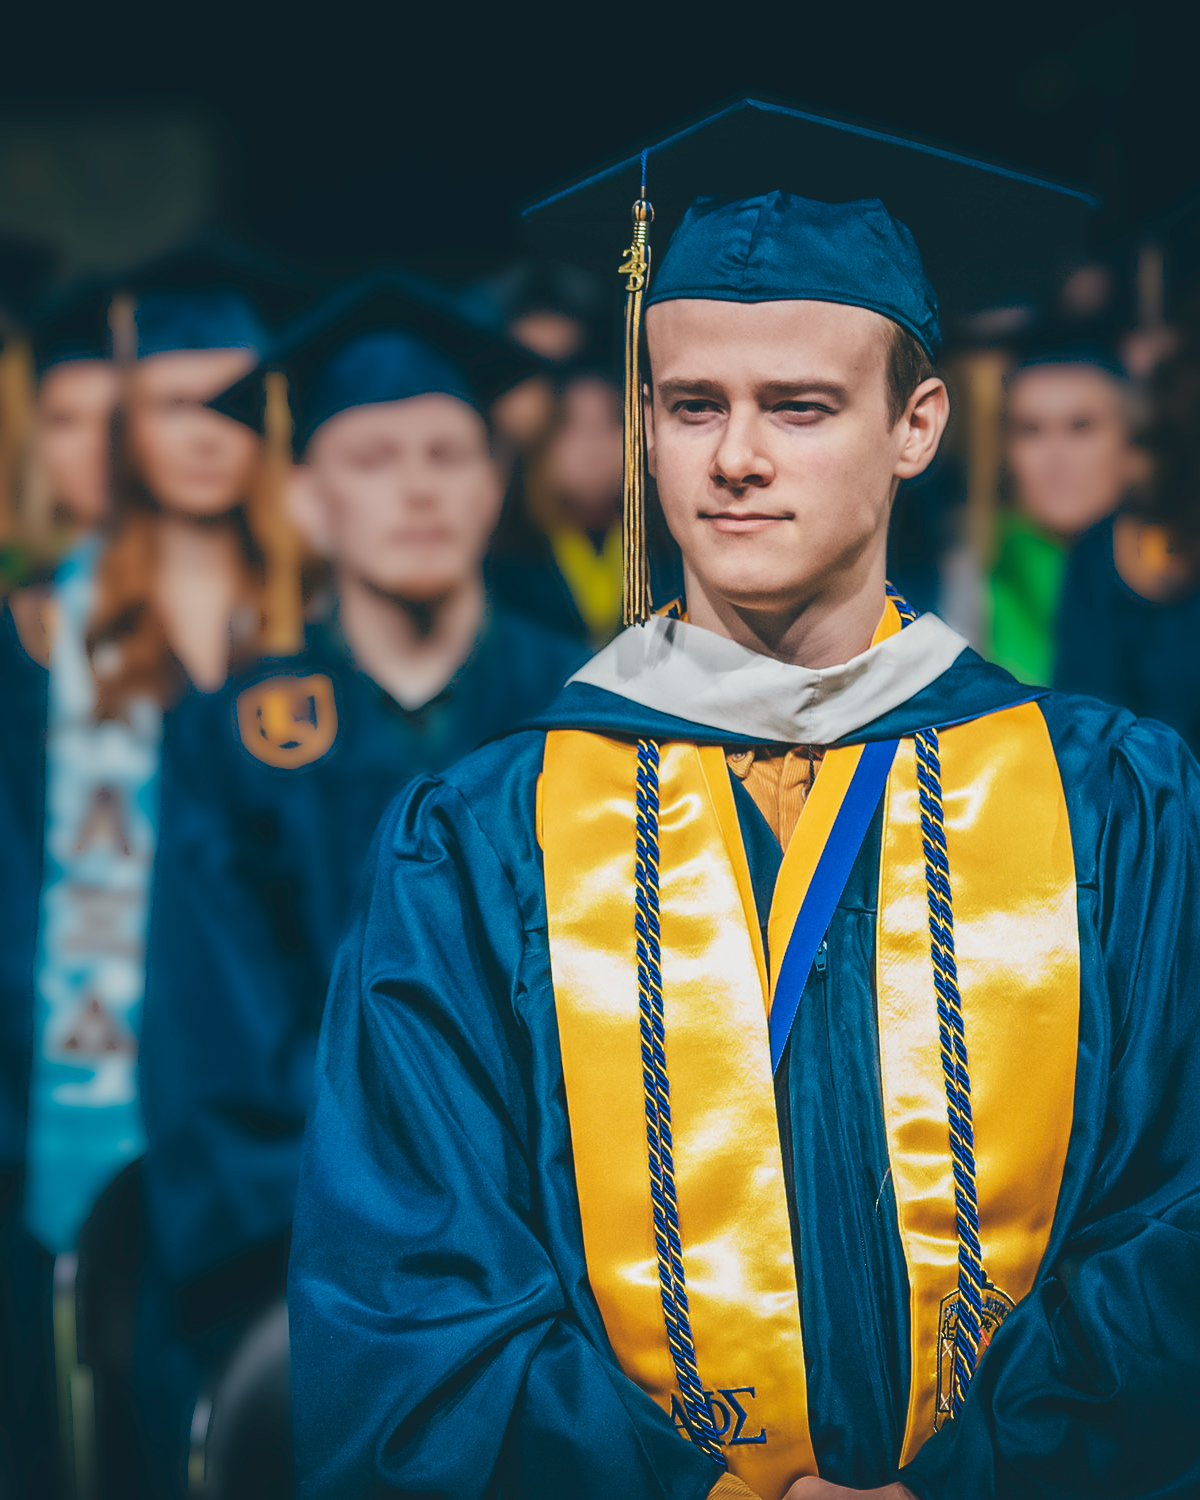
(805, 408)
(696, 408)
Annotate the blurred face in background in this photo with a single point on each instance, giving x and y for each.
(75, 405)
(523, 414)
(401, 495)
(1069, 449)
(586, 454)
(193, 461)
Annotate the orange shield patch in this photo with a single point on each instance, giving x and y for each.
(288, 722)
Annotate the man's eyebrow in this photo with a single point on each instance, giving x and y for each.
(770, 390)
(777, 390)
(668, 390)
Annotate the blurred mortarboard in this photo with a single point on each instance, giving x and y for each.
(1061, 344)
(386, 337)
(213, 292)
(807, 207)
(532, 286)
(72, 324)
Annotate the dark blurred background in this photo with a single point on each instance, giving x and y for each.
(345, 135)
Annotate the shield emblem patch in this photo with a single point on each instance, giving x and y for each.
(288, 722)
(996, 1307)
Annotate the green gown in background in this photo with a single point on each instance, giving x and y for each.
(1024, 590)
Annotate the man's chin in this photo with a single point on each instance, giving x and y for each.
(766, 592)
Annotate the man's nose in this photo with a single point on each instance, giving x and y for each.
(739, 461)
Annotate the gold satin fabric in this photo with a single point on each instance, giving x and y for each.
(738, 1260)
(1013, 879)
(1012, 874)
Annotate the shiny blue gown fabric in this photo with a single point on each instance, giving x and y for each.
(256, 873)
(445, 1340)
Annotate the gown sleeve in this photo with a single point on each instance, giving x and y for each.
(435, 1349)
(231, 1018)
(1091, 1386)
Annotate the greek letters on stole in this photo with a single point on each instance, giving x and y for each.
(1013, 884)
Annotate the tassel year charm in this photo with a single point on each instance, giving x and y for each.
(636, 266)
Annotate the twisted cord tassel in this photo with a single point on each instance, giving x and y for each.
(669, 1246)
(636, 267)
(955, 1067)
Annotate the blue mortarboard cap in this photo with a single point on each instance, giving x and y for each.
(213, 292)
(379, 367)
(988, 236)
(779, 247)
(1033, 354)
(387, 337)
(218, 319)
(72, 324)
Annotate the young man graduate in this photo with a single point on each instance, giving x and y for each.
(769, 1073)
(280, 779)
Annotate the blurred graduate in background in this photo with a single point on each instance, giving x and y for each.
(277, 782)
(64, 469)
(552, 310)
(1070, 459)
(92, 666)
(557, 554)
(559, 558)
(1129, 625)
(26, 271)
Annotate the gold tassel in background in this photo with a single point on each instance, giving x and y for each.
(16, 428)
(636, 602)
(122, 325)
(283, 611)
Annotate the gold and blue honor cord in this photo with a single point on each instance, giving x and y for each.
(955, 1070)
(955, 1067)
(669, 1246)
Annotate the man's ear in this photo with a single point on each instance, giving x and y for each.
(307, 510)
(648, 423)
(920, 428)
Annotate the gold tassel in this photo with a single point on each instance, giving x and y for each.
(283, 612)
(122, 324)
(636, 603)
(16, 428)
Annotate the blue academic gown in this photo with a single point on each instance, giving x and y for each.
(27, 1431)
(445, 1339)
(254, 872)
(257, 867)
(23, 692)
